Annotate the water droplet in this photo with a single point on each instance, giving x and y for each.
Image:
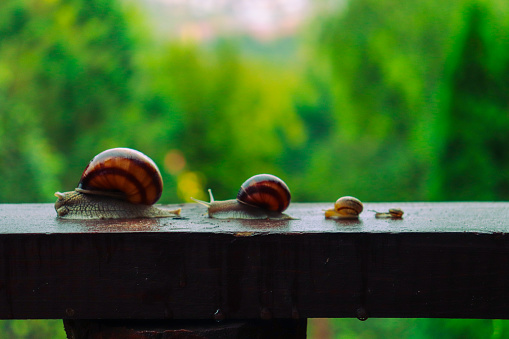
(362, 314)
(265, 314)
(219, 315)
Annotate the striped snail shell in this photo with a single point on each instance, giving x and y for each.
(396, 212)
(125, 173)
(263, 196)
(117, 183)
(265, 191)
(345, 208)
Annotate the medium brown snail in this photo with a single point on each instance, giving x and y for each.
(117, 183)
(395, 213)
(345, 208)
(263, 196)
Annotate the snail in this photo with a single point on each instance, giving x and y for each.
(117, 183)
(395, 213)
(263, 196)
(345, 208)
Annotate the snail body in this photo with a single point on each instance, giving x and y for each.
(117, 183)
(263, 196)
(77, 205)
(345, 208)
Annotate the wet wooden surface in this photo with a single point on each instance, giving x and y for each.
(419, 217)
(440, 260)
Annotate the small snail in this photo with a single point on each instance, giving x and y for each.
(263, 196)
(395, 213)
(117, 183)
(345, 208)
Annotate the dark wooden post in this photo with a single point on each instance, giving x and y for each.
(448, 260)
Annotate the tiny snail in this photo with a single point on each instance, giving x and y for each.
(345, 208)
(117, 183)
(395, 213)
(263, 196)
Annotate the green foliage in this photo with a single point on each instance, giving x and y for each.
(476, 135)
(32, 329)
(413, 328)
(65, 69)
(416, 94)
(377, 106)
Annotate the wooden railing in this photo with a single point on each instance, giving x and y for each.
(197, 275)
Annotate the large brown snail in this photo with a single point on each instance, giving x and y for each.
(263, 196)
(117, 183)
(345, 208)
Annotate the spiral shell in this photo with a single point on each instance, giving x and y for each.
(123, 170)
(345, 208)
(265, 191)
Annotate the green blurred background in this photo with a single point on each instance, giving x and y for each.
(384, 100)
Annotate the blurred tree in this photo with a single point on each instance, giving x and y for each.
(408, 88)
(231, 117)
(65, 69)
(475, 160)
(84, 84)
